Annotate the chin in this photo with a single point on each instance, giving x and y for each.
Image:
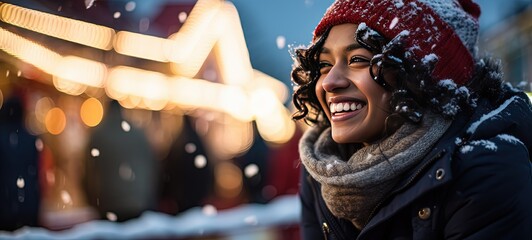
(341, 139)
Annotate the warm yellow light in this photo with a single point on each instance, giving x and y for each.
(91, 112)
(121, 82)
(60, 27)
(152, 88)
(264, 81)
(231, 50)
(55, 121)
(68, 87)
(70, 74)
(81, 70)
(228, 178)
(273, 119)
(73, 74)
(236, 136)
(235, 101)
(34, 126)
(277, 128)
(28, 51)
(117, 86)
(1, 99)
(195, 39)
(196, 93)
(141, 46)
(42, 106)
(264, 102)
(131, 102)
(213, 27)
(154, 104)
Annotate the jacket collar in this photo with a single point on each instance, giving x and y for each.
(433, 171)
(485, 122)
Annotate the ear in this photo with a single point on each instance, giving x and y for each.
(390, 77)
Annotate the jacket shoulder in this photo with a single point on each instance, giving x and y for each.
(491, 190)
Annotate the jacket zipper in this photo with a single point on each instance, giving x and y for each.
(414, 176)
(325, 227)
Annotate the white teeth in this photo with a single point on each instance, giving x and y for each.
(339, 107)
(344, 107)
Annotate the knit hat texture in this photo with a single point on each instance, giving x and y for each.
(446, 30)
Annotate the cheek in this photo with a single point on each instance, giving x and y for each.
(379, 96)
(320, 94)
(385, 100)
(379, 103)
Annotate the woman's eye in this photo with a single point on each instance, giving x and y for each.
(324, 66)
(358, 59)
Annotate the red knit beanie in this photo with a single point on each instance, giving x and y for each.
(446, 29)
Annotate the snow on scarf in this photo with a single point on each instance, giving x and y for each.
(352, 188)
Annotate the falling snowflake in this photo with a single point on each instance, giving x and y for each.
(20, 182)
(281, 42)
(200, 161)
(251, 170)
(182, 17)
(89, 3)
(95, 152)
(125, 126)
(111, 216)
(209, 210)
(39, 145)
(190, 147)
(130, 6)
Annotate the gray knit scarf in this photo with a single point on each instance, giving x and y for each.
(352, 187)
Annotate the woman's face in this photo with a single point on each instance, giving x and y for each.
(354, 103)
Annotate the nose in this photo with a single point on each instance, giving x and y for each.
(336, 79)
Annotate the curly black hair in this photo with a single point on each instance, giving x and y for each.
(414, 91)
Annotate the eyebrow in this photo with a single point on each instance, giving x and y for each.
(349, 48)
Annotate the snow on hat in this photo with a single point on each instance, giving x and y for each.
(446, 29)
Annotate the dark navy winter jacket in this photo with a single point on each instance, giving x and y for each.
(476, 183)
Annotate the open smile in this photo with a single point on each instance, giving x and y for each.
(345, 110)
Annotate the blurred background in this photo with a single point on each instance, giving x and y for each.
(167, 119)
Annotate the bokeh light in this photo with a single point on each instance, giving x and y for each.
(91, 112)
(228, 179)
(55, 121)
(42, 107)
(60, 27)
(1, 99)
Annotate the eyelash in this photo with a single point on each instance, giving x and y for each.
(324, 64)
(357, 59)
(352, 60)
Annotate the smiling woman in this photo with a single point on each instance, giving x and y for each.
(357, 105)
(409, 127)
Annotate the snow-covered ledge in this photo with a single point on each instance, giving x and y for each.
(283, 210)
